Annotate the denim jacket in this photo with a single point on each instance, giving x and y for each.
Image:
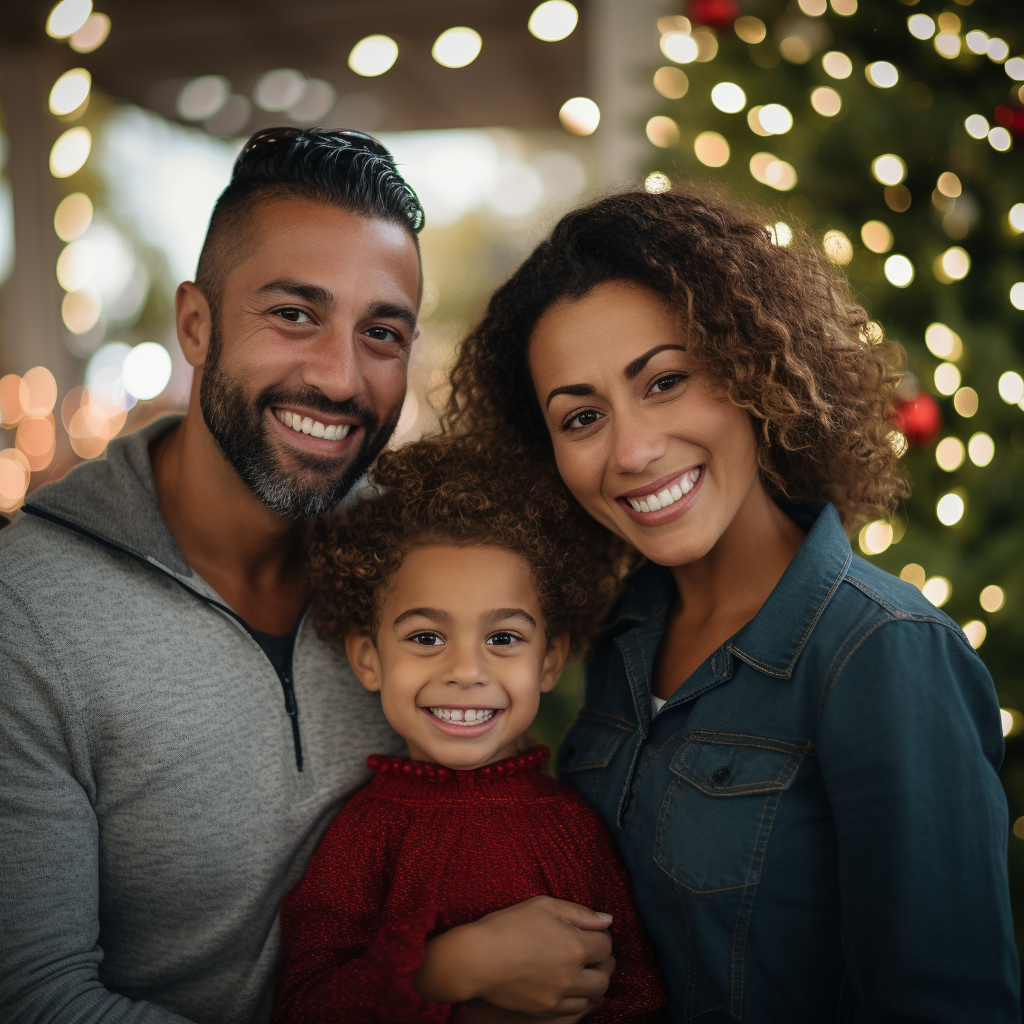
(813, 822)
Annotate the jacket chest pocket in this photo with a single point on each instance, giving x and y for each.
(717, 815)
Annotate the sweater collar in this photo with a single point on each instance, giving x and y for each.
(425, 774)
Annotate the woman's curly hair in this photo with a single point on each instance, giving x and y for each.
(463, 490)
(775, 326)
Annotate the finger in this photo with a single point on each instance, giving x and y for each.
(581, 917)
(606, 967)
(597, 946)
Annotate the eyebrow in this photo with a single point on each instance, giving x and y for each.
(631, 371)
(441, 616)
(312, 293)
(511, 613)
(427, 613)
(392, 311)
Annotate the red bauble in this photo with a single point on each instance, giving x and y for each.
(920, 419)
(718, 14)
(1011, 118)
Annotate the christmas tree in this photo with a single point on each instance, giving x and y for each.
(890, 131)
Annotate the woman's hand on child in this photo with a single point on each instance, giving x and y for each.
(544, 957)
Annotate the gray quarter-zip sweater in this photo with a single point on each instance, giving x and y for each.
(152, 810)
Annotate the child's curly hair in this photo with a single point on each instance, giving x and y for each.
(464, 490)
(775, 326)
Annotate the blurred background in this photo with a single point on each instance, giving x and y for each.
(892, 130)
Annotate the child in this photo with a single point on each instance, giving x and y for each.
(457, 589)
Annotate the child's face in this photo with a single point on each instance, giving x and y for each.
(461, 655)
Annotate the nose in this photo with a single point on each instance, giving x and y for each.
(464, 667)
(332, 366)
(636, 443)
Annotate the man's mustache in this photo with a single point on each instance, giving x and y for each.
(316, 401)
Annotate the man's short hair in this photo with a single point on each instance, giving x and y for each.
(342, 168)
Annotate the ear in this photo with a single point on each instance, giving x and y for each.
(365, 661)
(554, 662)
(194, 322)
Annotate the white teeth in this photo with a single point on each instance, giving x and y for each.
(668, 496)
(471, 716)
(308, 425)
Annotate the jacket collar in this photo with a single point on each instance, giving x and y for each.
(773, 640)
(114, 499)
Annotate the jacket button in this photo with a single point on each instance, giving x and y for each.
(720, 775)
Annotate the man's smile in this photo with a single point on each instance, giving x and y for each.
(314, 427)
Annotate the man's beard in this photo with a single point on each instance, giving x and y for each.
(238, 425)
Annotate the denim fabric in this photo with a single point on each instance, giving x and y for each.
(813, 823)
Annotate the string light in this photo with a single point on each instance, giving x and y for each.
(1014, 67)
(1011, 387)
(70, 152)
(997, 50)
(981, 448)
(72, 216)
(775, 118)
(943, 342)
(938, 590)
(952, 265)
(672, 83)
(680, 47)
(888, 169)
(882, 74)
(837, 64)
(711, 149)
(656, 182)
(92, 35)
(950, 454)
(662, 131)
(1015, 218)
(876, 537)
(913, 574)
(204, 96)
(750, 30)
(68, 17)
(1000, 139)
(837, 247)
(770, 170)
(950, 508)
(1017, 295)
(977, 126)
(876, 236)
(975, 631)
(826, 101)
(921, 26)
(992, 598)
(899, 271)
(976, 40)
(729, 98)
(70, 91)
(965, 401)
(947, 44)
(780, 233)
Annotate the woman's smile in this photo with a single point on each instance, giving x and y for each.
(671, 496)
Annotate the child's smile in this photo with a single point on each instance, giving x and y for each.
(461, 655)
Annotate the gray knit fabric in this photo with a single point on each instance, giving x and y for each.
(151, 814)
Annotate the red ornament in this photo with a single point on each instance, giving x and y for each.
(919, 418)
(717, 14)
(1011, 118)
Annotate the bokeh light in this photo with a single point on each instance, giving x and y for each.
(950, 454)
(813, 8)
(1017, 295)
(202, 97)
(770, 170)
(680, 47)
(981, 448)
(671, 83)
(457, 47)
(14, 400)
(41, 391)
(949, 185)
(876, 537)
(553, 20)
(580, 115)
(826, 101)
(711, 149)
(837, 64)
(75, 265)
(70, 152)
(15, 474)
(373, 56)
(947, 44)
(965, 401)
(899, 271)
(943, 342)
(950, 508)
(728, 97)
(888, 169)
(976, 126)
(780, 233)
(92, 35)
(876, 236)
(775, 118)
(975, 631)
(146, 370)
(938, 590)
(1000, 139)
(1015, 218)
(952, 265)
(36, 439)
(882, 74)
(72, 216)
(1011, 387)
(1013, 722)
(662, 131)
(81, 310)
(750, 29)
(70, 91)
(997, 50)
(921, 26)
(992, 598)
(913, 574)
(68, 17)
(283, 87)
(947, 378)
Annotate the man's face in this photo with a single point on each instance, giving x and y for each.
(305, 375)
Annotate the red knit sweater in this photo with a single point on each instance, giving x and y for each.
(424, 848)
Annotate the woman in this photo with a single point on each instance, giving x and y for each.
(796, 751)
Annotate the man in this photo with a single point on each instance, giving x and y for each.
(174, 737)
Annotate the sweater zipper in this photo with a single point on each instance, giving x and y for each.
(287, 683)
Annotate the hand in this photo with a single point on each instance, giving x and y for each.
(544, 957)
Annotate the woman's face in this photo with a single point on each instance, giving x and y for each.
(642, 438)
